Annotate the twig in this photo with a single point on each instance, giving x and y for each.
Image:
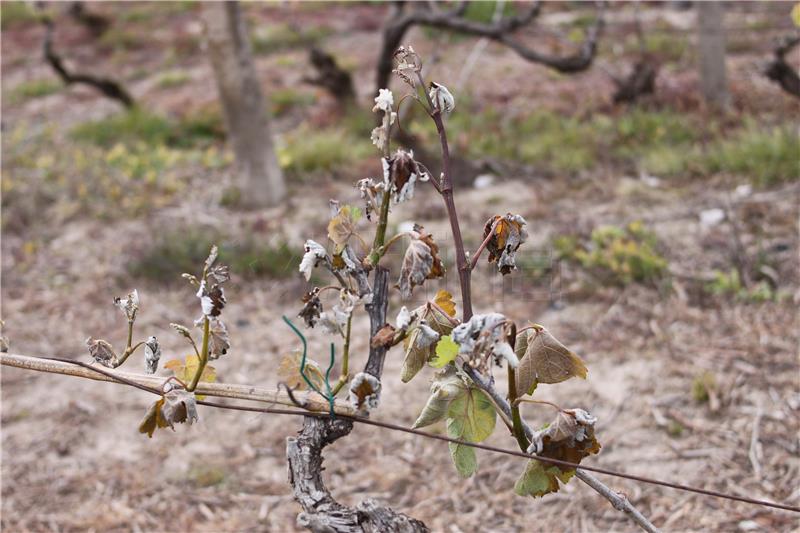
(311, 400)
(619, 501)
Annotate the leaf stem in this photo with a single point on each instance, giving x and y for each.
(203, 355)
(345, 359)
(128, 348)
(516, 418)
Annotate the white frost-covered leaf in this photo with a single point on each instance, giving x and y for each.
(314, 251)
(152, 353)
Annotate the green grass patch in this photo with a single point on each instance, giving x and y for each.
(16, 14)
(307, 151)
(619, 255)
(181, 250)
(766, 156)
(139, 126)
(172, 78)
(284, 100)
(34, 89)
(277, 37)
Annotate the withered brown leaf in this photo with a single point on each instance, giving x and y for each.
(153, 418)
(420, 262)
(219, 340)
(546, 360)
(312, 307)
(102, 352)
(289, 372)
(365, 392)
(507, 234)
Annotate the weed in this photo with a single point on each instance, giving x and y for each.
(34, 89)
(620, 255)
(729, 284)
(172, 78)
(305, 151)
(702, 385)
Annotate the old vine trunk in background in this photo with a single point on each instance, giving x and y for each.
(260, 176)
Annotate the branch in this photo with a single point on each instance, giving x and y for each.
(107, 86)
(311, 400)
(619, 501)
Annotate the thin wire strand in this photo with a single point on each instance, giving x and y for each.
(425, 434)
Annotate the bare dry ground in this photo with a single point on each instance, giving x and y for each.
(72, 459)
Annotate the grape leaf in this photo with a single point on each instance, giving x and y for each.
(545, 360)
(383, 337)
(218, 342)
(419, 346)
(153, 419)
(420, 262)
(569, 437)
(471, 417)
(446, 351)
(444, 390)
(186, 369)
(343, 225)
(508, 234)
(365, 392)
(289, 372)
(445, 300)
(102, 352)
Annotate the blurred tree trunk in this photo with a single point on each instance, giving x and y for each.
(711, 52)
(260, 177)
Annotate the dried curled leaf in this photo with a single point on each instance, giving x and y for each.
(445, 301)
(471, 417)
(153, 418)
(403, 319)
(483, 336)
(343, 225)
(569, 437)
(312, 307)
(383, 337)
(408, 65)
(219, 341)
(371, 192)
(179, 407)
(507, 234)
(401, 175)
(152, 353)
(419, 348)
(365, 392)
(314, 253)
(102, 352)
(421, 262)
(545, 360)
(445, 388)
(442, 98)
(182, 330)
(212, 298)
(129, 305)
(289, 372)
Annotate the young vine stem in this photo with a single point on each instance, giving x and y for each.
(345, 359)
(516, 418)
(449, 202)
(203, 355)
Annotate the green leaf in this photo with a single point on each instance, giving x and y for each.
(444, 390)
(471, 417)
(446, 351)
(464, 459)
(539, 479)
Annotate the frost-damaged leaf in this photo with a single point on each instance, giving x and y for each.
(402, 176)
(220, 273)
(102, 352)
(446, 351)
(129, 305)
(445, 300)
(383, 337)
(212, 299)
(212, 258)
(289, 372)
(312, 307)
(419, 346)
(314, 253)
(470, 417)
(408, 64)
(152, 353)
(343, 225)
(186, 369)
(182, 330)
(365, 392)
(404, 318)
(545, 360)
(179, 407)
(371, 192)
(508, 234)
(486, 335)
(334, 321)
(421, 262)
(445, 388)
(153, 419)
(569, 437)
(441, 98)
(219, 342)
